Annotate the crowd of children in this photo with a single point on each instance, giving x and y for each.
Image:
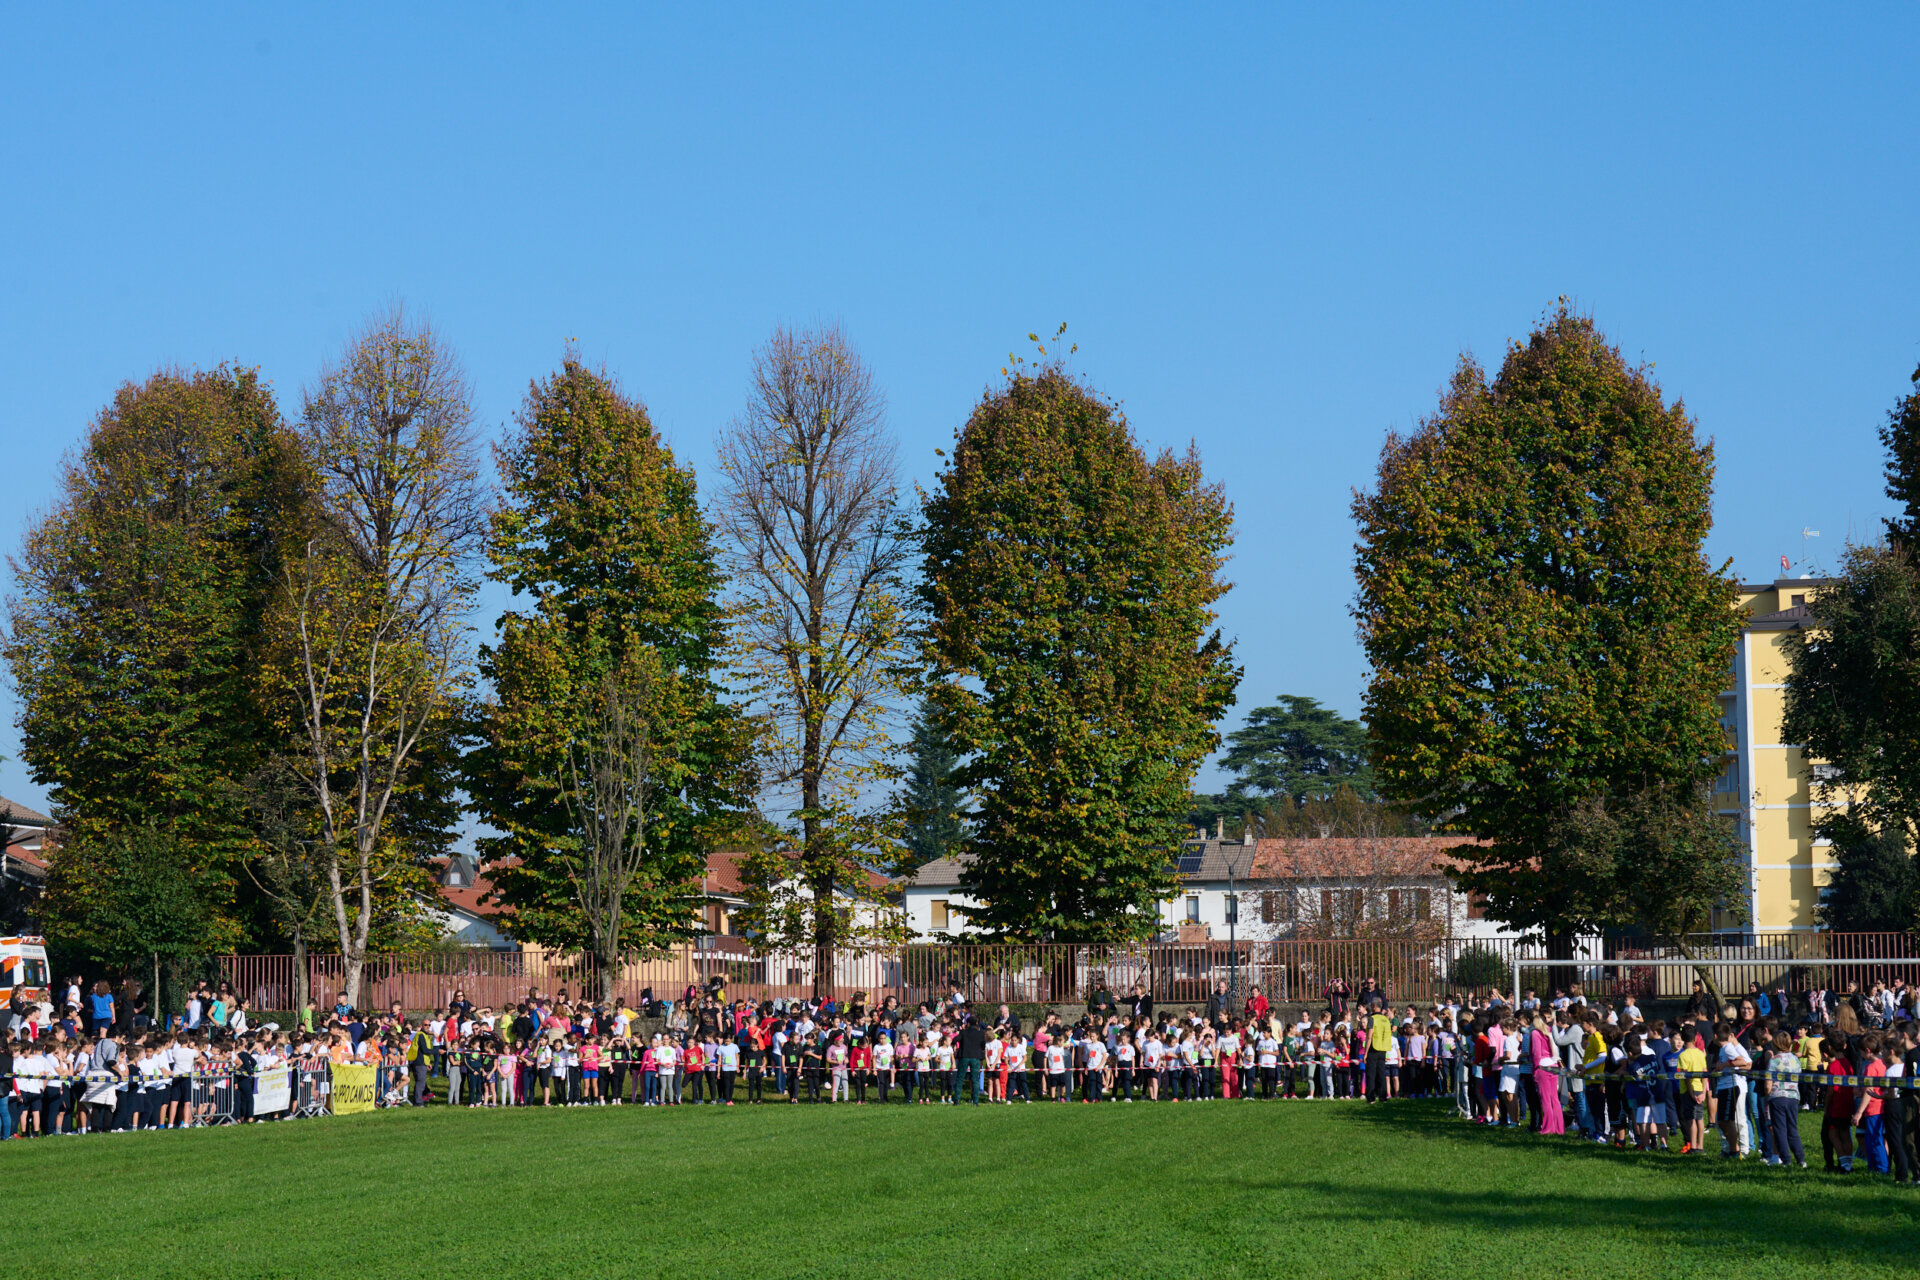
(1562, 1066)
(1748, 1069)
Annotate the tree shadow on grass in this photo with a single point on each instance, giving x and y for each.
(1794, 1216)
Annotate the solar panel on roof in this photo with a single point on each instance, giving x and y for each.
(1190, 862)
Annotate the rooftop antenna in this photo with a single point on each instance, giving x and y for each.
(1806, 563)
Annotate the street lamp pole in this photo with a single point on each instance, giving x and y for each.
(1233, 927)
(1233, 932)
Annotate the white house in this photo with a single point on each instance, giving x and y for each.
(458, 908)
(1270, 889)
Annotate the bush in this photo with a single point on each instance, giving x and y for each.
(1478, 966)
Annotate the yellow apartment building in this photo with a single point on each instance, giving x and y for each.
(1766, 788)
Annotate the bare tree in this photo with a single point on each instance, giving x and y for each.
(811, 512)
(373, 649)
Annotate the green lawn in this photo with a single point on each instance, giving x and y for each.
(1215, 1189)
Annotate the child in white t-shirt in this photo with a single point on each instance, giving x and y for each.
(1057, 1071)
(1096, 1071)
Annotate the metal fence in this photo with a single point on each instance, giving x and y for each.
(1291, 970)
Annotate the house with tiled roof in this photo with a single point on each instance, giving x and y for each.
(27, 837)
(461, 906)
(1381, 886)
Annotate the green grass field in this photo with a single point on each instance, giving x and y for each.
(1216, 1189)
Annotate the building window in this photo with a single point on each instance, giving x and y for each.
(1798, 600)
(1342, 908)
(940, 913)
(1404, 906)
(1193, 909)
(1233, 908)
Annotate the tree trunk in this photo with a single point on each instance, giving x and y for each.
(819, 872)
(606, 965)
(302, 980)
(1700, 971)
(823, 935)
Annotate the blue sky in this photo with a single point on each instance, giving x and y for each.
(1271, 231)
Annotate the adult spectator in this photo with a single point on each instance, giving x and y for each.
(1101, 1003)
(1379, 1040)
(972, 1052)
(1257, 1007)
(419, 1061)
(1217, 1007)
(1142, 1003)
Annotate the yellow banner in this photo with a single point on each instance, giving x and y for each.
(353, 1088)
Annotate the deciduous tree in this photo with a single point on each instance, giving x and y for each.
(369, 669)
(1658, 859)
(1543, 627)
(611, 759)
(137, 896)
(811, 516)
(1070, 584)
(1853, 696)
(137, 621)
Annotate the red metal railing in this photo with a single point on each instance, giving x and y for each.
(1292, 970)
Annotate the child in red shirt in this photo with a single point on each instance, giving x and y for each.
(1836, 1128)
(1866, 1107)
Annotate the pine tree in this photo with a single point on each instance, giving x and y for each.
(934, 805)
(1300, 750)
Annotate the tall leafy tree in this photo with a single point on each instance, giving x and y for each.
(138, 618)
(611, 760)
(1543, 627)
(1070, 584)
(1298, 749)
(934, 804)
(1876, 888)
(1853, 697)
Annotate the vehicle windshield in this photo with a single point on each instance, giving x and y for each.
(33, 972)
